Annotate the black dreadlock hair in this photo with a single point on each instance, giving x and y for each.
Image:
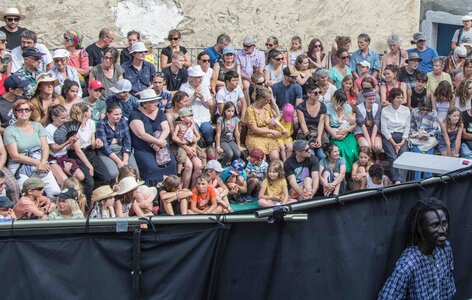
(416, 218)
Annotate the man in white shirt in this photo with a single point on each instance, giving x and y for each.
(464, 34)
(232, 92)
(200, 102)
(29, 40)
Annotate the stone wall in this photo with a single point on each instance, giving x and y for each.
(200, 22)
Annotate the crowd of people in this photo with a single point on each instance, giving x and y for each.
(98, 132)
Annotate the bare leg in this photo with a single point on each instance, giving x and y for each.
(187, 173)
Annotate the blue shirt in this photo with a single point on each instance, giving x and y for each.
(140, 80)
(426, 65)
(286, 94)
(107, 134)
(214, 55)
(372, 57)
(127, 107)
(417, 276)
(226, 174)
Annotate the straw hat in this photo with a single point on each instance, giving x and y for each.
(149, 193)
(128, 184)
(11, 11)
(47, 77)
(104, 192)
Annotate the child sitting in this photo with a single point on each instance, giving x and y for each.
(256, 170)
(227, 139)
(364, 67)
(235, 178)
(203, 200)
(449, 138)
(274, 190)
(376, 178)
(174, 198)
(104, 200)
(213, 168)
(361, 167)
(285, 125)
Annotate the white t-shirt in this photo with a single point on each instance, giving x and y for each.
(50, 130)
(85, 133)
(17, 58)
(207, 78)
(329, 94)
(466, 36)
(201, 114)
(224, 96)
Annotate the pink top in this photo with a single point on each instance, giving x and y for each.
(80, 61)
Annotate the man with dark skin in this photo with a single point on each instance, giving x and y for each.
(425, 268)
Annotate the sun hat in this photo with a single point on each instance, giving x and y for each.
(290, 71)
(122, 85)
(228, 50)
(60, 53)
(365, 63)
(214, 165)
(46, 77)
(149, 193)
(104, 192)
(299, 145)
(466, 18)
(33, 183)
(32, 51)
(13, 82)
(256, 154)
(237, 166)
(185, 111)
(195, 71)
(95, 85)
(419, 36)
(128, 184)
(11, 11)
(148, 95)
(138, 47)
(68, 193)
(413, 56)
(288, 112)
(6, 202)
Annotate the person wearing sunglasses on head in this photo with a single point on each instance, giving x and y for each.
(29, 39)
(12, 30)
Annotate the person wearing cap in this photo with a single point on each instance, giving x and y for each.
(94, 100)
(122, 97)
(213, 169)
(146, 123)
(424, 52)
(364, 67)
(256, 170)
(233, 92)
(29, 40)
(95, 51)
(302, 172)
(6, 209)
(63, 71)
(397, 56)
(367, 132)
(67, 207)
(175, 74)
(288, 90)
(138, 71)
(235, 178)
(200, 102)
(108, 71)
(364, 53)
(27, 146)
(103, 201)
(12, 29)
(30, 70)
(44, 97)
(33, 205)
(250, 59)
(215, 52)
(463, 34)
(5, 58)
(165, 59)
(409, 72)
(14, 89)
(220, 68)
(116, 152)
(133, 36)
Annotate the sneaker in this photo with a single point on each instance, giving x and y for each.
(249, 198)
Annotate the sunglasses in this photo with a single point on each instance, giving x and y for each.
(317, 46)
(205, 60)
(269, 45)
(278, 58)
(14, 19)
(61, 60)
(247, 46)
(317, 93)
(174, 39)
(344, 57)
(23, 110)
